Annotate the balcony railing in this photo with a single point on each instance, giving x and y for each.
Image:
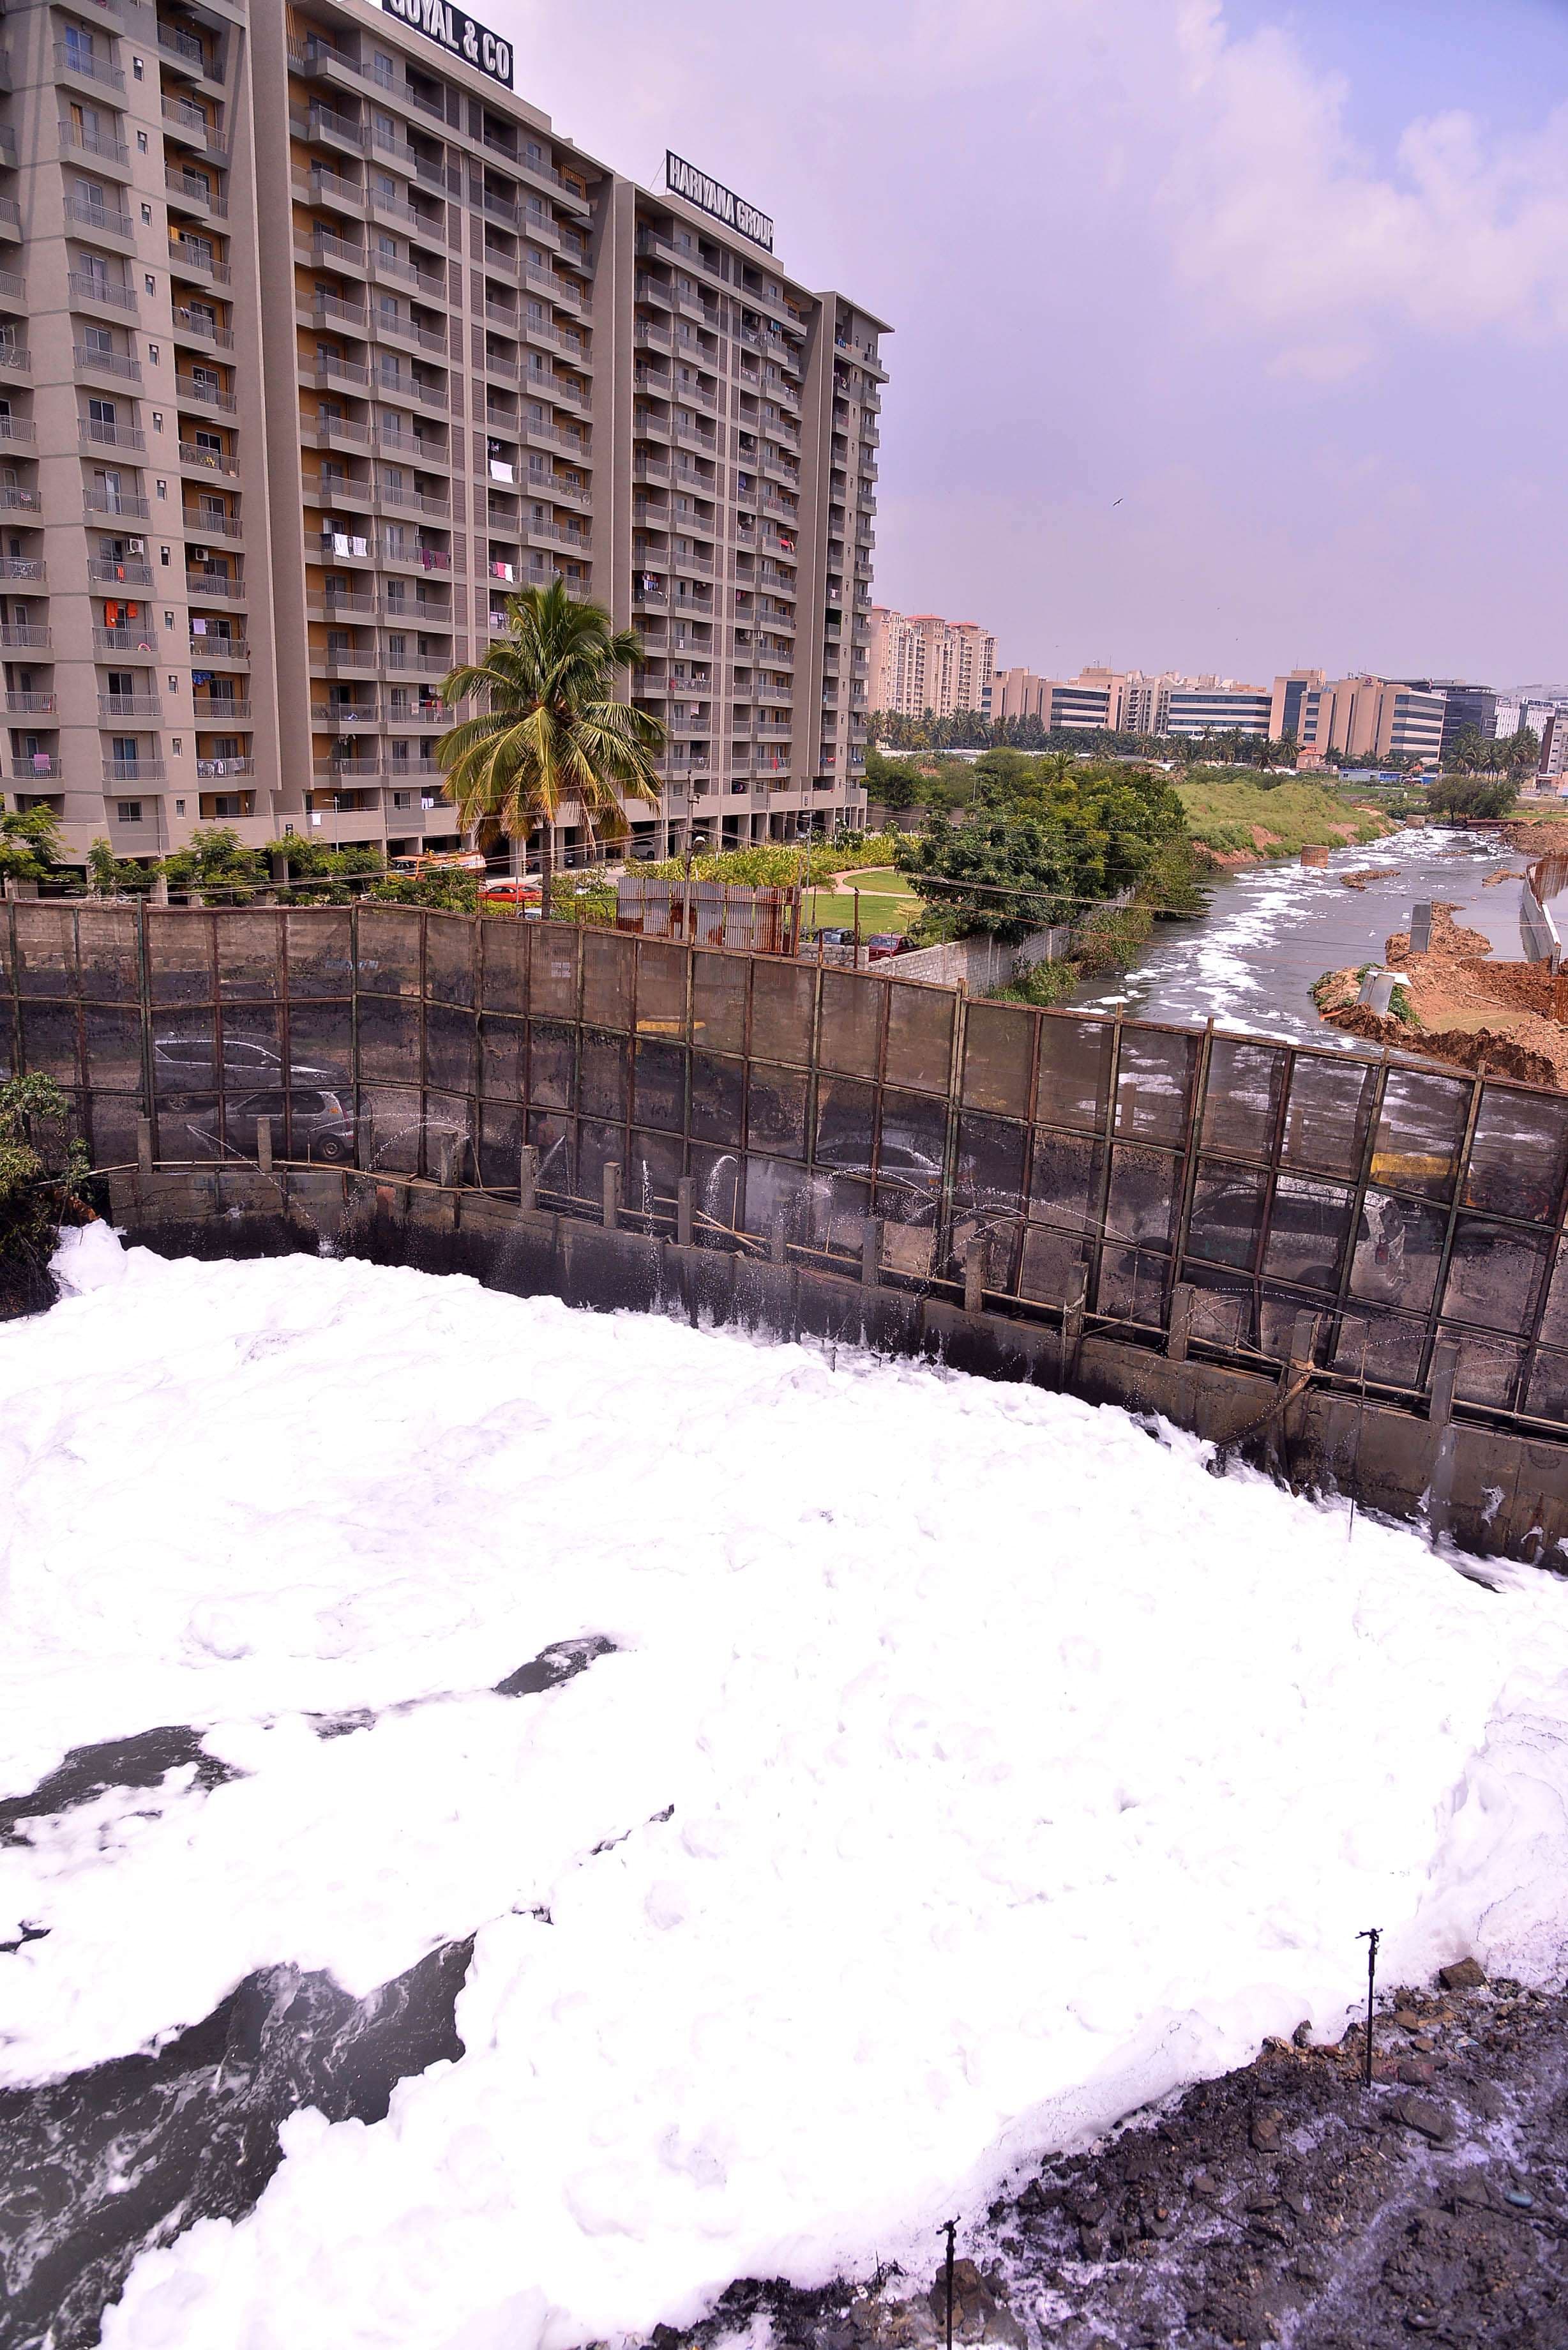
(108, 436)
(72, 56)
(193, 188)
(211, 461)
(99, 219)
(88, 141)
(116, 503)
(30, 705)
(128, 705)
(114, 363)
(86, 285)
(205, 394)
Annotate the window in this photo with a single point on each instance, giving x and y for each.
(128, 811)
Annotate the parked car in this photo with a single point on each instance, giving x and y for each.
(188, 1060)
(834, 938)
(322, 1128)
(882, 943)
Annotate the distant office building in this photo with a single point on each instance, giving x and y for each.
(1195, 707)
(920, 661)
(1364, 718)
(1464, 706)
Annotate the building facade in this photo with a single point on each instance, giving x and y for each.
(315, 344)
(922, 663)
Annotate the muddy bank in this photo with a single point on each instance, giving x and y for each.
(1283, 2202)
(1460, 1005)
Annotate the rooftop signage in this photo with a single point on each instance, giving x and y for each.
(685, 179)
(458, 33)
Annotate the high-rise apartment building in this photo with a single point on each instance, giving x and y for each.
(1128, 703)
(316, 343)
(920, 663)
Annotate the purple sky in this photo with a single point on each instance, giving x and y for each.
(1290, 281)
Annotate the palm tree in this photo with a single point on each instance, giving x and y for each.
(549, 726)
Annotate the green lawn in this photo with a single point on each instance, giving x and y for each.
(881, 908)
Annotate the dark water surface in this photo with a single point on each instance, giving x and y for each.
(1273, 930)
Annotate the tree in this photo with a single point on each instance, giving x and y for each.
(214, 863)
(113, 876)
(1519, 753)
(29, 843)
(549, 726)
(42, 1176)
(1049, 836)
(1460, 797)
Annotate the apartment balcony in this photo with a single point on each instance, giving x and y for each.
(427, 283)
(196, 192)
(112, 707)
(135, 644)
(215, 586)
(340, 714)
(194, 126)
(105, 152)
(17, 358)
(133, 771)
(194, 460)
(106, 571)
(417, 390)
(411, 502)
(647, 425)
(77, 66)
(28, 570)
(16, 636)
(388, 325)
(15, 499)
(196, 391)
(30, 705)
(93, 436)
(333, 432)
(117, 505)
(321, 185)
(10, 218)
(417, 558)
(38, 767)
(212, 525)
(233, 651)
(229, 770)
(188, 260)
(334, 608)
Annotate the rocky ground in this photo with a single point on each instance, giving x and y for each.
(1472, 1009)
(1284, 2203)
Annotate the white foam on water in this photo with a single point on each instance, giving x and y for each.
(971, 1766)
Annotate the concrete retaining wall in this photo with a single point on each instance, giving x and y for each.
(1492, 1493)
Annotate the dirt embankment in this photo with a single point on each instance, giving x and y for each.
(1285, 2202)
(1462, 1006)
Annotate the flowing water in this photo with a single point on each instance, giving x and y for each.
(1271, 930)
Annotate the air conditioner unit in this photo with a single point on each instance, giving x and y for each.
(137, 545)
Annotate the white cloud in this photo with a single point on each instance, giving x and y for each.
(1276, 212)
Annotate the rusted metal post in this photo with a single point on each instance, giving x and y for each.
(1072, 1320)
(527, 1175)
(870, 1251)
(949, 2228)
(685, 1208)
(612, 1197)
(1371, 1937)
(263, 1144)
(144, 1145)
(1180, 1333)
(975, 1273)
(778, 1239)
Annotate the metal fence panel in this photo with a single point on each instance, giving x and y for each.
(1071, 1157)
